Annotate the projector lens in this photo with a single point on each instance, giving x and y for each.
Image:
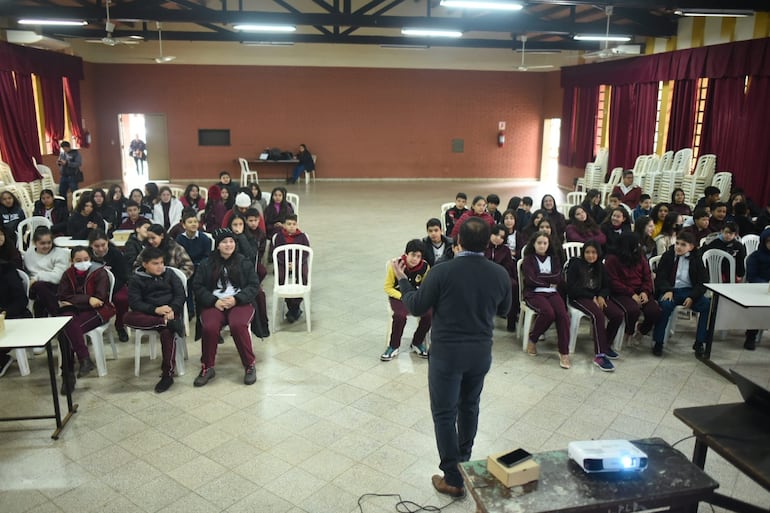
(627, 462)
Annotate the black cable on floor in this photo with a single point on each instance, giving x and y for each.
(403, 506)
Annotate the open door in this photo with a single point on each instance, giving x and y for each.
(150, 129)
(157, 147)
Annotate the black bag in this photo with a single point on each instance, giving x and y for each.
(274, 154)
(79, 176)
(286, 155)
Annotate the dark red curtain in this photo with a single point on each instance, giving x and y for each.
(723, 121)
(633, 108)
(567, 133)
(72, 94)
(578, 129)
(681, 124)
(19, 141)
(53, 107)
(751, 165)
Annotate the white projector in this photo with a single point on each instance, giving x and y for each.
(607, 456)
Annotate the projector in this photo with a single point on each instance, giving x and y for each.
(607, 456)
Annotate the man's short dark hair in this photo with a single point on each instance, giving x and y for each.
(628, 172)
(711, 190)
(251, 212)
(461, 195)
(187, 214)
(223, 173)
(686, 237)
(151, 253)
(141, 222)
(731, 227)
(493, 198)
(499, 228)
(718, 204)
(699, 213)
(97, 235)
(65, 144)
(527, 200)
(432, 222)
(131, 203)
(644, 197)
(474, 235)
(291, 217)
(617, 195)
(415, 246)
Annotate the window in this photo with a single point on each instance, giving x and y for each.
(703, 85)
(602, 119)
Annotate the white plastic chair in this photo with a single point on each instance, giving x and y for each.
(247, 175)
(26, 228)
(444, 208)
(21, 353)
(76, 194)
(575, 198)
(630, 212)
(299, 255)
(572, 249)
(526, 314)
(96, 336)
(293, 198)
(177, 192)
(153, 337)
(713, 259)
(751, 243)
(308, 173)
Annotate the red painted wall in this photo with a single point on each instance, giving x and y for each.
(362, 123)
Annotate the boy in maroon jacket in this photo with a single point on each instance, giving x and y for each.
(630, 193)
(291, 234)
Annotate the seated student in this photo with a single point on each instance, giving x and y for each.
(667, 236)
(758, 271)
(55, 210)
(530, 229)
(215, 210)
(13, 303)
(45, 264)
(728, 242)
(438, 247)
(588, 290)
(742, 220)
(658, 216)
(613, 201)
(711, 195)
(103, 252)
(84, 294)
(677, 203)
(84, 219)
(243, 203)
(306, 164)
(8, 251)
(133, 215)
(541, 269)
(136, 242)
(718, 216)
(151, 195)
(277, 211)
(631, 285)
(167, 212)
(630, 193)
(644, 208)
(104, 209)
(415, 269)
(523, 213)
(174, 254)
(558, 223)
(226, 182)
(500, 254)
(117, 202)
(614, 226)
(455, 213)
(291, 234)
(257, 200)
(145, 209)
(493, 202)
(514, 238)
(157, 298)
(701, 225)
(643, 228)
(679, 281)
(244, 245)
(592, 205)
(582, 227)
(11, 213)
(478, 209)
(257, 236)
(192, 198)
(225, 286)
(194, 241)
(513, 203)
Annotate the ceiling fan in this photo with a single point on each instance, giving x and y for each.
(162, 59)
(108, 40)
(616, 51)
(522, 66)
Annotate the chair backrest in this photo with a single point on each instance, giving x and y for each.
(616, 176)
(182, 276)
(25, 280)
(177, 192)
(724, 182)
(244, 164)
(208, 236)
(705, 165)
(575, 198)
(521, 279)
(654, 261)
(751, 242)
(77, 194)
(112, 282)
(301, 258)
(713, 260)
(26, 228)
(630, 212)
(682, 161)
(444, 208)
(666, 160)
(572, 249)
(6, 176)
(204, 193)
(601, 159)
(294, 200)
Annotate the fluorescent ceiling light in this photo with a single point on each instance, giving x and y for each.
(601, 37)
(404, 47)
(431, 32)
(63, 23)
(265, 28)
(267, 43)
(716, 13)
(164, 59)
(488, 5)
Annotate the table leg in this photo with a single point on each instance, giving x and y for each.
(699, 453)
(711, 324)
(60, 423)
(54, 391)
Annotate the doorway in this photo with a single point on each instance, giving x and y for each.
(549, 167)
(151, 130)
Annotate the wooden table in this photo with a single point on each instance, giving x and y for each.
(741, 435)
(24, 333)
(735, 306)
(670, 480)
(288, 165)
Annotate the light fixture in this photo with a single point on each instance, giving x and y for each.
(716, 13)
(164, 59)
(601, 37)
(267, 43)
(423, 32)
(264, 28)
(487, 5)
(62, 23)
(404, 47)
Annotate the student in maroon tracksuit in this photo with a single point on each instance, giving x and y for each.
(500, 254)
(478, 209)
(291, 234)
(630, 194)
(541, 269)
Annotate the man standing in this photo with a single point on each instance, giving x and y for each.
(465, 293)
(69, 166)
(138, 150)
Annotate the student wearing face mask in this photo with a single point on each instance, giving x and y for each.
(84, 294)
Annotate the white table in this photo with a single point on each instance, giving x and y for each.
(736, 306)
(65, 241)
(25, 333)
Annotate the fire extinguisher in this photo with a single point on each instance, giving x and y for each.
(500, 139)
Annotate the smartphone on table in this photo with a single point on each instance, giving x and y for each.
(513, 458)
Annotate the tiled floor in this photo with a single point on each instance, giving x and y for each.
(327, 421)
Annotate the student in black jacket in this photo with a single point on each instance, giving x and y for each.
(55, 210)
(13, 302)
(84, 219)
(680, 280)
(157, 297)
(438, 247)
(728, 242)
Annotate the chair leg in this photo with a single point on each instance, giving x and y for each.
(276, 326)
(181, 351)
(97, 342)
(21, 357)
(114, 347)
(307, 312)
(137, 350)
(618, 342)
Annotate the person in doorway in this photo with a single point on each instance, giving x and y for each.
(138, 151)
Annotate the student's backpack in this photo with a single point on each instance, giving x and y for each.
(274, 154)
